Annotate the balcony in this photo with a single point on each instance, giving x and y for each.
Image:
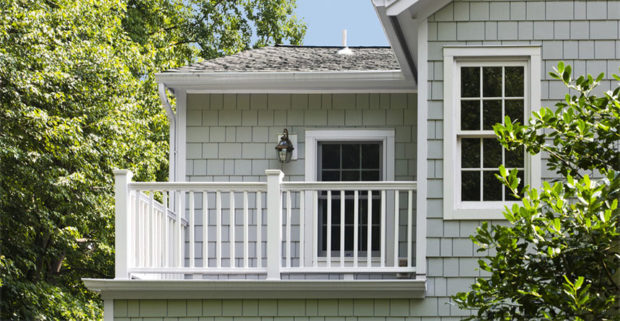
(272, 231)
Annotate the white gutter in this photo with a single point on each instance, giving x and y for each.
(172, 120)
(288, 82)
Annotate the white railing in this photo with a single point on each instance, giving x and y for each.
(271, 228)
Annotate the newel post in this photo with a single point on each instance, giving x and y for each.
(274, 223)
(122, 178)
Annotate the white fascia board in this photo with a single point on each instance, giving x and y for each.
(288, 82)
(257, 289)
(398, 47)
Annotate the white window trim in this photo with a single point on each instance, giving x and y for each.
(453, 56)
(313, 137)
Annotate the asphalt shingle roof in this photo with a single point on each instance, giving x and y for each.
(282, 58)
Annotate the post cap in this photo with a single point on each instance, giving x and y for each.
(120, 172)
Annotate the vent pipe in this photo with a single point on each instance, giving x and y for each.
(345, 50)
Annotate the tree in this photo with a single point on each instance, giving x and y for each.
(77, 99)
(558, 259)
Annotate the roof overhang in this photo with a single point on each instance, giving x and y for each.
(289, 82)
(418, 9)
(401, 20)
(257, 289)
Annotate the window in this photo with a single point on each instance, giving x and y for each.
(346, 161)
(485, 84)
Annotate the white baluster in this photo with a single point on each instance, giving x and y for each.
(382, 228)
(205, 229)
(192, 256)
(315, 232)
(409, 227)
(231, 231)
(302, 226)
(328, 251)
(180, 241)
(259, 230)
(369, 232)
(355, 226)
(288, 229)
(342, 226)
(246, 235)
(166, 231)
(218, 250)
(396, 227)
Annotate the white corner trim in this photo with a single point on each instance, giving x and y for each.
(531, 55)
(108, 310)
(422, 148)
(257, 289)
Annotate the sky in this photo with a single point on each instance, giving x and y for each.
(325, 20)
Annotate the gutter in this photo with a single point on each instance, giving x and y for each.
(172, 120)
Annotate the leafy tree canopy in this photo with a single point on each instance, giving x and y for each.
(77, 99)
(559, 258)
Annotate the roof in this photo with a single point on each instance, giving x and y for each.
(284, 58)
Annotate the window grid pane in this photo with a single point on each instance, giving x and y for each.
(478, 168)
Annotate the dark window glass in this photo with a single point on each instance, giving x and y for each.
(350, 175)
(492, 189)
(371, 156)
(330, 156)
(514, 109)
(515, 158)
(492, 153)
(492, 81)
(351, 156)
(470, 186)
(491, 113)
(514, 81)
(470, 115)
(470, 152)
(470, 81)
(370, 175)
(330, 176)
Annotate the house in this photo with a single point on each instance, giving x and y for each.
(394, 142)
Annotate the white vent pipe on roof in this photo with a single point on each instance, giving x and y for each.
(345, 50)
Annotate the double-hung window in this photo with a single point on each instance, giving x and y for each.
(482, 86)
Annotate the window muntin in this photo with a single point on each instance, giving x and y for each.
(486, 93)
(349, 161)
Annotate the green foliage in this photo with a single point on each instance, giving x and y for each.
(583, 130)
(77, 99)
(559, 258)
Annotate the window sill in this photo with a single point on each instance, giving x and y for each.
(469, 212)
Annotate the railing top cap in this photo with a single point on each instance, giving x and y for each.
(117, 171)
